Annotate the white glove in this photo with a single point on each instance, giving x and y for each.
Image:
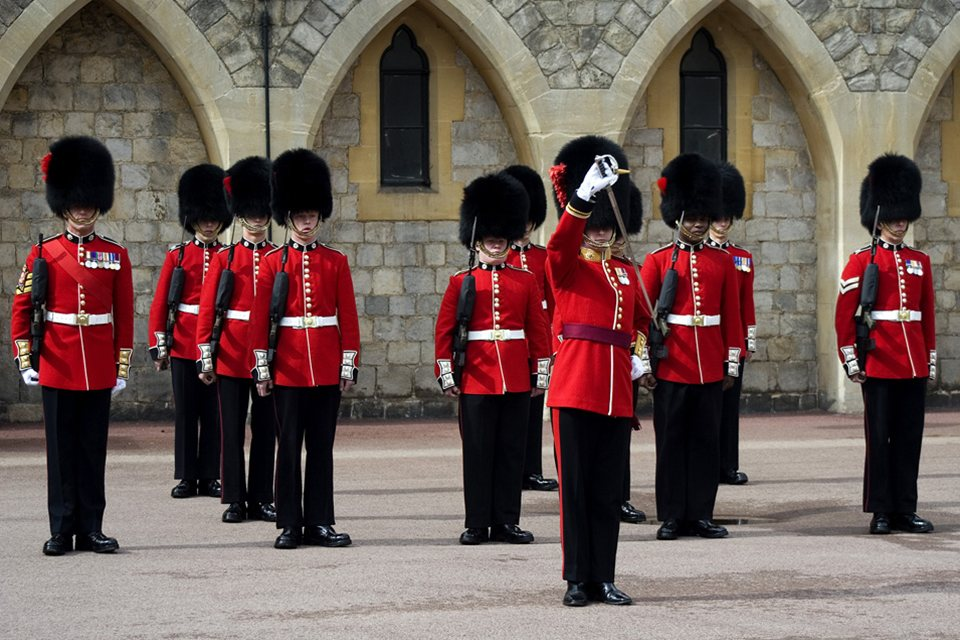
(602, 174)
(636, 367)
(30, 377)
(117, 388)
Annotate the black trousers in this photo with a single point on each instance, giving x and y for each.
(196, 439)
(76, 423)
(305, 415)
(532, 459)
(234, 396)
(591, 450)
(686, 423)
(729, 443)
(493, 430)
(893, 425)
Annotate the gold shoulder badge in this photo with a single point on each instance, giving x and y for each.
(25, 282)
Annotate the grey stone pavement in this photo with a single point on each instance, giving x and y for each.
(798, 563)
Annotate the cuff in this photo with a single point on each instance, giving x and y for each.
(261, 367)
(123, 364)
(542, 376)
(752, 338)
(160, 351)
(578, 207)
(23, 354)
(205, 363)
(850, 363)
(933, 365)
(645, 366)
(348, 366)
(733, 362)
(445, 379)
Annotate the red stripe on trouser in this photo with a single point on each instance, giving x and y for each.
(555, 423)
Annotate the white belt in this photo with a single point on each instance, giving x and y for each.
(308, 322)
(694, 321)
(233, 314)
(193, 309)
(897, 315)
(80, 319)
(496, 334)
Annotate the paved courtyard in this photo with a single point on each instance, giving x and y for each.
(798, 562)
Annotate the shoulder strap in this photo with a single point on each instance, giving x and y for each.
(83, 277)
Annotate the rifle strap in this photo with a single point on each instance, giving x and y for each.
(80, 274)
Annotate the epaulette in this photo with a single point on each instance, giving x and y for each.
(534, 245)
(272, 251)
(175, 247)
(462, 271)
(862, 249)
(48, 239)
(666, 246)
(516, 268)
(326, 246)
(225, 247)
(623, 259)
(111, 241)
(720, 249)
(273, 244)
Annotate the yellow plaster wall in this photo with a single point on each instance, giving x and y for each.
(950, 151)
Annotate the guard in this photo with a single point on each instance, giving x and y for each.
(173, 331)
(492, 347)
(591, 395)
(72, 333)
(734, 201)
(224, 351)
(532, 257)
(305, 341)
(886, 339)
(694, 343)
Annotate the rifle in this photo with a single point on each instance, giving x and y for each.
(38, 298)
(468, 295)
(868, 297)
(278, 304)
(222, 303)
(174, 294)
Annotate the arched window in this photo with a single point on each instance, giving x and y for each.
(404, 113)
(703, 99)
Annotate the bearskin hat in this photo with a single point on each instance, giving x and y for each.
(690, 184)
(893, 183)
(78, 171)
(571, 165)
(499, 203)
(634, 216)
(532, 182)
(734, 192)
(201, 196)
(301, 182)
(247, 187)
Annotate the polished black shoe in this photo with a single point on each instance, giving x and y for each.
(880, 524)
(629, 513)
(262, 511)
(607, 593)
(911, 523)
(474, 535)
(576, 595)
(510, 533)
(324, 536)
(707, 529)
(669, 530)
(733, 477)
(234, 513)
(536, 482)
(210, 488)
(58, 544)
(96, 542)
(184, 489)
(289, 538)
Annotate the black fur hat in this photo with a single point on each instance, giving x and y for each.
(532, 182)
(734, 192)
(201, 196)
(690, 184)
(247, 187)
(301, 182)
(78, 172)
(634, 217)
(571, 165)
(893, 183)
(498, 203)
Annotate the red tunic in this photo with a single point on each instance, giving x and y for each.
(197, 257)
(602, 294)
(508, 299)
(533, 258)
(323, 345)
(233, 354)
(743, 263)
(84, 348)
(906, 334)
(706, 336)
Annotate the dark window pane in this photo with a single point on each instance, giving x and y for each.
(404, 112)
(706, 142)
(702, 56)
(402, 98)
(702, 101)
(401, 155)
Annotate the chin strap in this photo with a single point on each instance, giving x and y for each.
(493, 256)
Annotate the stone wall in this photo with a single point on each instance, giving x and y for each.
(114, 87)
(401, 269)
